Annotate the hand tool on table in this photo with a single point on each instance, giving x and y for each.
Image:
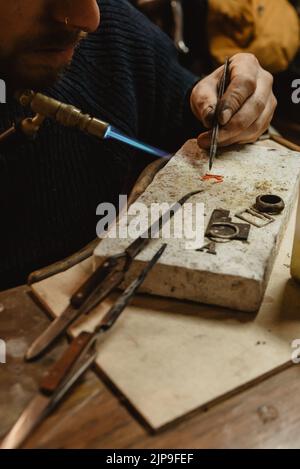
(79, 356)
(281, 140)
(216, 125)
(108, 276)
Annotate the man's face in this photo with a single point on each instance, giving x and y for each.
(38, 38)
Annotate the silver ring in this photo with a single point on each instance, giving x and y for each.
(224, 236)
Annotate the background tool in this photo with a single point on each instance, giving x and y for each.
(216, 125)
(77, 359)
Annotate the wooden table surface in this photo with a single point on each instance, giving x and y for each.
(92, 416)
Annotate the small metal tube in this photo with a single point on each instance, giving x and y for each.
(8, 134)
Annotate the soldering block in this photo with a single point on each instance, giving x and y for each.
(237, 276)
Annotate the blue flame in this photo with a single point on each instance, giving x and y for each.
(116, 135)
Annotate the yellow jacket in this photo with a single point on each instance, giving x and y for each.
(267, 28)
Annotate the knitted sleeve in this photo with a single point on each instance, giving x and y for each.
(145, 81)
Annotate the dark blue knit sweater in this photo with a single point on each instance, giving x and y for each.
(126, 73)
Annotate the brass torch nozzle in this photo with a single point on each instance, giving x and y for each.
(64, 114)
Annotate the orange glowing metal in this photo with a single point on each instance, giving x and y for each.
(208, 177)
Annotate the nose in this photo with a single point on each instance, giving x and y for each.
(79, 14)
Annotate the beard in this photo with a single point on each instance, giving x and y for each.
(38, 62)
(38, 77)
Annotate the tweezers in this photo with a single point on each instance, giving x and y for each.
(216, 125)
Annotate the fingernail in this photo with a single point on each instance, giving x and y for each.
(209, 117)
(225, 116)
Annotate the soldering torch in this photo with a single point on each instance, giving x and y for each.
(69, 116)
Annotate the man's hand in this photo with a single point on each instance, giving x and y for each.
(247, 107)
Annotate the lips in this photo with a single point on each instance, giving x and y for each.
(56, 55)
(64, 47)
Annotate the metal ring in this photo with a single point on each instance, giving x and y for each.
(220, 240)
(224, 236)
(269, 203)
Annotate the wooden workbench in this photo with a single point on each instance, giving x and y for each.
(92, 416)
